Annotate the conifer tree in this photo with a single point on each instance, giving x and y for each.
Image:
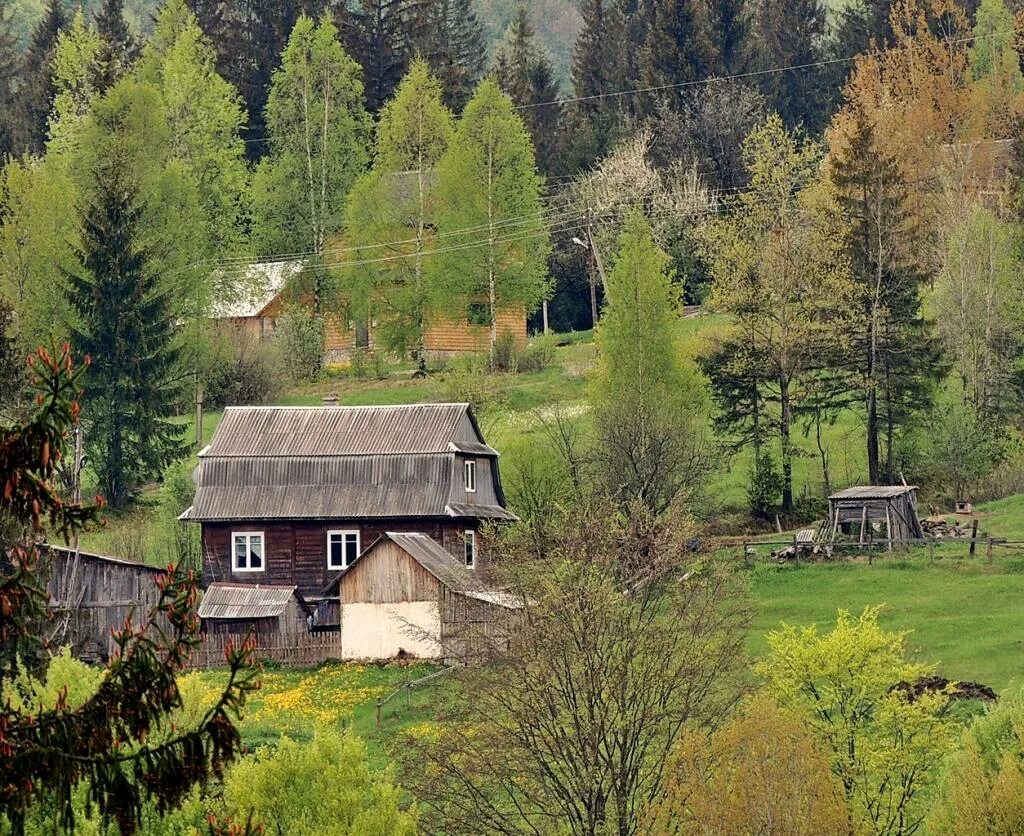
(523, 70)
(319, 132)
(125, 325)
(36, 90)
(396, 201)
(791, 34)
(679, 46)
(454, 47)
(491, 212)
(119, 46)
(378, 34)
(8, 77)
(894, 347)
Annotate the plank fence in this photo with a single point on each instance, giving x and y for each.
(301, 650)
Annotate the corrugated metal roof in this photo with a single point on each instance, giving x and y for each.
(480, 512)
(336, 430)
(874, 492)
(256, 289)
(245, 601)
(472, 449)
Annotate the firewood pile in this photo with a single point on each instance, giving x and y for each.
(940, 529)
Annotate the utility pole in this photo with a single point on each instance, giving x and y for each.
(199, 412)
(595, 266)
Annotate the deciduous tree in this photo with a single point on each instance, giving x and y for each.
(319, 132)
(651, 442)
(396, 201)
(491, 214)
(885, 745)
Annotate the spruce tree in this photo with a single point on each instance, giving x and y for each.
(454, 48)
(377, 34)
(523, 70)
(36, 89)
(8, 77)
(791, 35)
(132, 388)
(894, 348)
(119, 46)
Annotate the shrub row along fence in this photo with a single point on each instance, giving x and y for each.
(936, 547)
(290, 650)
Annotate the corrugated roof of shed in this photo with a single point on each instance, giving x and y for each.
(266, 431)
(245, 601)
(874, 492)
(437, 560)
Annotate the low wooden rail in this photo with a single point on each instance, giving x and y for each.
(406, 687)
(291, 650)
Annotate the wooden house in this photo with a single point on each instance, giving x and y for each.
(408, 596)
(873, 512)
(291, 496)
(266, 610)
(253, 308)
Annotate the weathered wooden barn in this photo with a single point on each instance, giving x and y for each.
(290, 496)
(408, 596)
(265, 610)
(91, 595)
(874, 512)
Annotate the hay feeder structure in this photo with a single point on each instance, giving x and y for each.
(867, 513)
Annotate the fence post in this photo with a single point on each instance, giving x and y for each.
(378, 712)
(746, 557)
(988, 552)
(931, 549)
(796, 550)
(974, 536)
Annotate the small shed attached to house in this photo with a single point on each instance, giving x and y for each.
(263, 608)
(874, 512)
(408, 595)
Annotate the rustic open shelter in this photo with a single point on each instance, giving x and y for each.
(873, 512)
(263, 608)
(408, 596)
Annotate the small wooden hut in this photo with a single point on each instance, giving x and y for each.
(873, 512)
(266, 609)
(408, 596)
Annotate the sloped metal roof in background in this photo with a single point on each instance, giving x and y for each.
(257, 288)
(874, 492)
(336, 430)
(245, 601)
(479, 512)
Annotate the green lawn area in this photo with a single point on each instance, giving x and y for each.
(967, 618)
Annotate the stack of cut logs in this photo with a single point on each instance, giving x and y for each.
(941, 528)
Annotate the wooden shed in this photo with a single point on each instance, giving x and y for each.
(266, 610)
(408, 596)
(873, 512)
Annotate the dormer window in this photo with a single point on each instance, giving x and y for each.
(470, 476)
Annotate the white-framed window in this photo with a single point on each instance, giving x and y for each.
(342, 548)
(469, 538)
(470, 476)
(247, 551)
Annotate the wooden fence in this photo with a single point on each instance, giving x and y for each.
(291, 650)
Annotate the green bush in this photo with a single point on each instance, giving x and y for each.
(538, 353)
(322, 787)
(302, 341)
(241, 370)
(764, 488)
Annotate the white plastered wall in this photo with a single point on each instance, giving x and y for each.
(379, 631)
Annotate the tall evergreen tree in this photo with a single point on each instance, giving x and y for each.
(490, 208)
(894, 347)
(679, 46)
(126, 327)
(731, 24)
(396, 201)
(597, 119)
(791, 34)
(36, 89)
(119, 46)
(453, 44)
(8, 78)
(523, 70)
(377, 33)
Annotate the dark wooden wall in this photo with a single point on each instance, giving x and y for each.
(295, 552)
(93, 595)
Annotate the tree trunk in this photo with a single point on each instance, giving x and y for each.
(785, 425)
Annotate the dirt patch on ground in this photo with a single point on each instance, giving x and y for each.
(952, 689)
